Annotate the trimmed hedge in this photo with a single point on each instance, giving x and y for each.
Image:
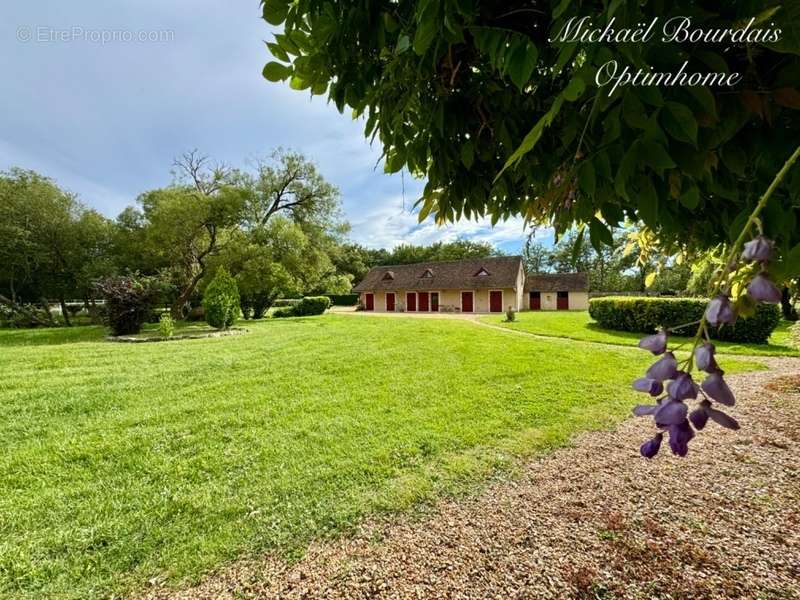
(281, 302)
(310, 305)
(343, 299)
(646, 315)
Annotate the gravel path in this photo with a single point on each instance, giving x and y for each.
(590, 521)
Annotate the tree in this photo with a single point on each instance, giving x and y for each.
(51, 246)
(535, 256)
(503, 116)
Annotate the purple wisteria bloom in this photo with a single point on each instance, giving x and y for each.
(650, 448)
(670, 412)
(715, 387)
(649, 386)
(682, 387)
(720, 418)
(704, 358)
(699, 418)
(664, 368)
(657, 343)
(679, 437)
(642, 410)
(758, 249)
(720, 311)
(762, 289)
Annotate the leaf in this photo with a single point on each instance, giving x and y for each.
(679, 122)
(656, 157)
(648, 202)
(403, 44)
(275, 11)
(650, 279)
(522, 63)
(691, 197)
(278, 52)
(586, 178)
(599, 234)
(298, 84)
(627, 167)
(734, 158)
(791, 263)
(468, 154)
(427, 206)
(274, 71)
(576, 247)
(574, 89)
(559, 10)
(705, 99)
(530, 140)
(426, 33)
(788, 97)
(633, 111)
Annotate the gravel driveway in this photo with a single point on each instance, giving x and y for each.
(590, 521)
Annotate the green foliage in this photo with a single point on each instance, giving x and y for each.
(166, 326)
(281, 313)
(447, 89)
(343, 299)
(221, 300)
(129, 301)
(646, 315)
(311, 305)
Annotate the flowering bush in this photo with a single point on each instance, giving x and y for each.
(128, 301)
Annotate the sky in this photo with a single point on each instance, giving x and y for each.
(102, 96)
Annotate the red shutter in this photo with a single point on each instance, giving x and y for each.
(370, 300)
(423, 301)
(536, 300)
(411, 302)
(466, 302)
(390, 301)
(495, 301)
(562, 301)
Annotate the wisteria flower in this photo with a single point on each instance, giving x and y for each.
(699, 418)
(762, 289)
(664, 368)
(720, 311)
(649, 386)
(758, 249)
(682, 387)
(720, 418)
(657, 343)
(704, 358)
(679, 437)
(670, 412)
(650, 448)
(715, 387)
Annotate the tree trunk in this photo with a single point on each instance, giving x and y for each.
(64, 310)
(788, 309)
(16, 307)
(176, 311)
(46, 307)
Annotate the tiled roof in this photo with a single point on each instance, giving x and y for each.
(557, 282)
(501, 272)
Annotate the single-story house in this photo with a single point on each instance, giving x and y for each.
(557, 291)
(475, 285)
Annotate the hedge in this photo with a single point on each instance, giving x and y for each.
(310, 305)
(281, 302)
(343, 299)
(646, 315)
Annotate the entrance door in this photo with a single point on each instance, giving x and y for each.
(389, 301)
(423, 301)
(466, 302)
(411, 301)
(535, 300)
(562, 301)
(370, 301)
(434, 301)
(496, 301)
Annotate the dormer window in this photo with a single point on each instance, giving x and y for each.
(482, 273)
(427, 274)
(388, 276)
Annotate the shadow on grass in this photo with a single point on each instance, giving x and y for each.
(52, 336)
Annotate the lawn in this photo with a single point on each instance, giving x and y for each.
(123, 463)
(578, 325)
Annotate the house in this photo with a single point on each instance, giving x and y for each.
(557, 291)
(475, 285)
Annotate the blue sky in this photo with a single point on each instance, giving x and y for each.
(106, 119)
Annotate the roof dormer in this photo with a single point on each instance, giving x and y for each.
(388, 276)
(427, 274)
(482, 272)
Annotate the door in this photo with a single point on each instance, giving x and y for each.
(434, 301)
(423, 301)
(562, 301)
(535, 300)
(411, 301)
(389, 301)
(496, 301)
(370, 301)
(466, 302)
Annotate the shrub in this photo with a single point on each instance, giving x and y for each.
(221, 300)
(166, 326)
(286, 311)
(281, 302)
(311, 305)
(511, 315)
(128, 302)
(645, 315)
(343, 299)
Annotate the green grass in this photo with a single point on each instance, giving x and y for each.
(578, 325)
(126, 462)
